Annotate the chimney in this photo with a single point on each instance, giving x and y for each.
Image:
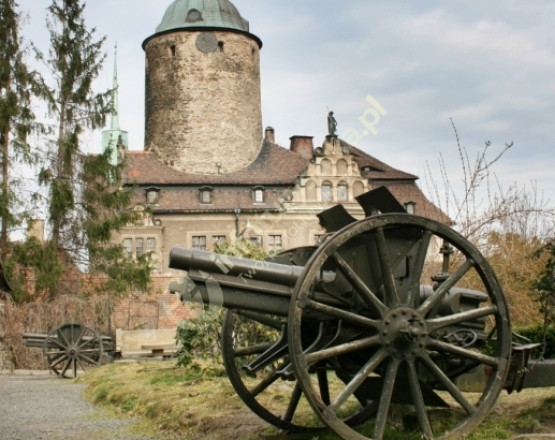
(303, 146)
(35, 228)
(270, 135)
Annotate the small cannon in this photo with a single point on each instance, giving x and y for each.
(355, 326)
(71, 347)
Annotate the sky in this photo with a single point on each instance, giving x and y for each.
(400, 76)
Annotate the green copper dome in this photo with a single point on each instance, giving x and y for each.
(182, 14)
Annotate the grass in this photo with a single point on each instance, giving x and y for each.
(178, 403)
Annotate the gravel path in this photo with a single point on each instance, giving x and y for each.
(45, 408)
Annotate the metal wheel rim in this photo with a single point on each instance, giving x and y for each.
(303, 303)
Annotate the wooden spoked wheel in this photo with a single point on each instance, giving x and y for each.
(71, 348)
(412, 349)
(256, 358)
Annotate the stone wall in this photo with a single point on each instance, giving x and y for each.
(203, 102)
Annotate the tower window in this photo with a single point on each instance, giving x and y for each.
(173, 50)
(221, 46)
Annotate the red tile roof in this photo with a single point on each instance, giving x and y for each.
(273, 166)
(276, 168)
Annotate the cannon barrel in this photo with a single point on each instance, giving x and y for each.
(213, 263)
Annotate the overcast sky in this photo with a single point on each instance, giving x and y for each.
(489, 65)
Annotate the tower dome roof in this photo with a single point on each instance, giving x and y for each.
(182, 14)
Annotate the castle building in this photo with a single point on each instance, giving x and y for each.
(209, 173)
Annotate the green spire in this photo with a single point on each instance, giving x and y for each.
(114, 137)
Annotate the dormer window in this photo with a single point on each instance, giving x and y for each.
(410, 207)
(152, 195)
(193, 16)
(258, 194)
(206, 195)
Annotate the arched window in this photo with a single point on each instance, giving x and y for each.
(327, 192)
(342, 191)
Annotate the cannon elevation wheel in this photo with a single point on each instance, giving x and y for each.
(412, 349)
(70, 348)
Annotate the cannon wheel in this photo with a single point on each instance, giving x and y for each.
(72, 347)
(256, 357)
(400, 351)
(270, 389)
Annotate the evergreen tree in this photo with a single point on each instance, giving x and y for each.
(104, 212)
(75, 61)
(85, 204)
(15, 115)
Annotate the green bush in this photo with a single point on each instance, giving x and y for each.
(200, 339)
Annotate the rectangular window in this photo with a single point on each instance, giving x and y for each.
(205, 197)
(258, 196)
(128, 247)
(218, 240)
(139, 247)
(256, 240)
(274, 242)
(199, 242)
(151, 244)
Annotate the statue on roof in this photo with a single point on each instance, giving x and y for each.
(332, 124)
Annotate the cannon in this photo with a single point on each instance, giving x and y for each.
(71, 347)
(394, 320)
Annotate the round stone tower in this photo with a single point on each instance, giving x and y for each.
(203, 103)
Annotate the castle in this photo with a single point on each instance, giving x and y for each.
(209, 172)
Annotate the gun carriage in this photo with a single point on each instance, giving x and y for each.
(393, 319)
(71, 347)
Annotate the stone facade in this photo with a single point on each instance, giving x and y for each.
(273, 203)
(203, 102)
